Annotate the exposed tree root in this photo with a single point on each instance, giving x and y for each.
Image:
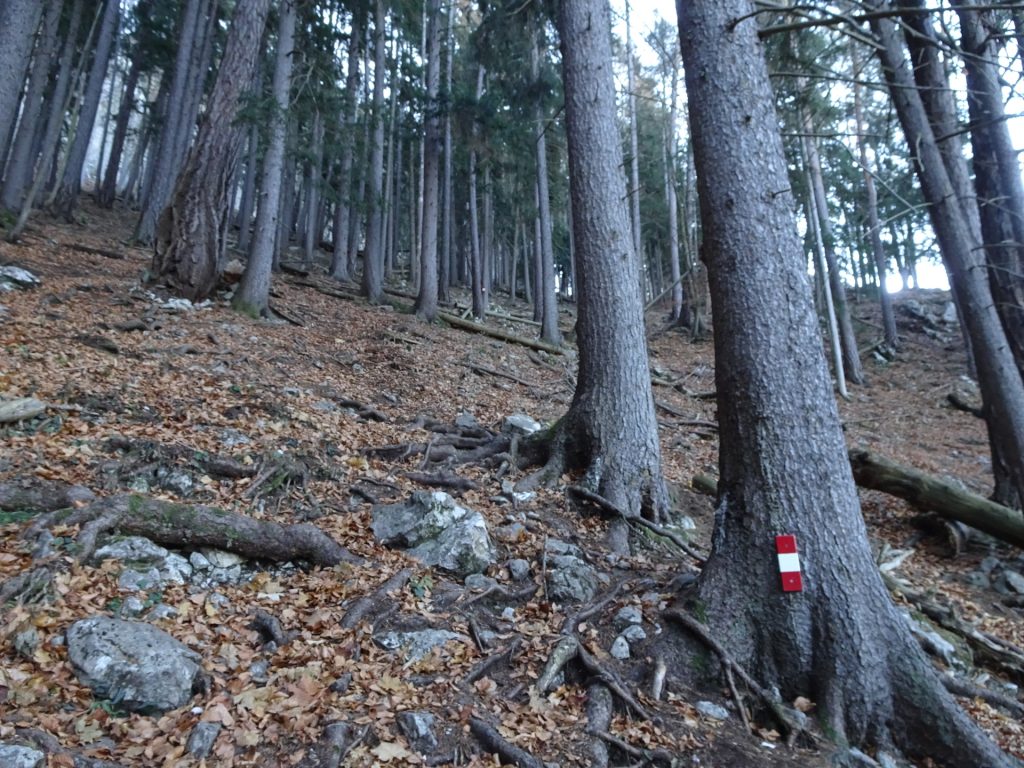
(442, 480)
(495, 743)
(507, 655)
(184, 526)
(599, 718)
(372, 604)
(789, 722)
(337, 740)
(33, 494)
(966, 688)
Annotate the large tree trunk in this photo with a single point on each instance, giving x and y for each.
(372, 286)
(999, 379)
(22, 157)
(426, 300)
(192, 236)
(634, 150)
(253, 292)
(312, 220)
(71, 183)
(610, 427)
(342, 212)
(446, 272)
(784, 470)
(19, 20)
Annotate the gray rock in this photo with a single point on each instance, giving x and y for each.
(18, 277)
(259, 671)
(714, 711)
(177, 481)
(633, 634)
(628, 615)
(200, 741)
(26, 642)
(131, 580)
(559, 547)
(175, 569)
(479, 583)
(132, 607)
(418, 729)
(436, 531)
(466, 421)
(419, 644)
(199, 561)
(570, 579)
(161, 611)
(132, 549)
(620, 648)
(219, 558)
(989, 564)
(949, 313)
(520, 424)
(518, 570)
(139, 485)
(138, 667)
(510, 534)
(979, 579)
(508, 613)
(232, 438)
(17, 756)
(1015, 581)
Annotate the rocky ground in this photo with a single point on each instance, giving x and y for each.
(158, 624)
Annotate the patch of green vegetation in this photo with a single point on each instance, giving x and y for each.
(699, 663)
(421, 585)
(16, 516)
(108, 706)
(7, 219)
(247, 309)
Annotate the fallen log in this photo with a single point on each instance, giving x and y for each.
(469, 325)
(934, 495)
(192, 526)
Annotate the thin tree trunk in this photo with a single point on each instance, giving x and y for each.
(445, 277)
(253, 293)
(549, 330)
(248, 202)
(342, 211)
(313, 231)
(373, 259)
(676, 316)
(107, 191)
(71, 183)
(426, 299)
(476, 255)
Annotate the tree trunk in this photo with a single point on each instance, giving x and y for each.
(192, 236)
(634, 149)
(19, 20)
(342, 211)
(784, 470)
(446, 272)
(71, 183)
(248, 202)
(549, 330)
(373, 258)
(107, 192)
(426, 300)
(851, 356)
(161, 173)
(312, 219)
(999, 379)
(610, 427)
(22, 157)
(881, 261)
(253, 293)
(676, 315)
(476, 256)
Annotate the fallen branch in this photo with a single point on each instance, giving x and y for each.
(507, 655)
(486, 369)
(599, 719)
(935, 495)
(96, 251)
(33, 494)
(441, 480)
(495, 743)
(494, 333)
(21, 409)
(962, 405)
(189, 527)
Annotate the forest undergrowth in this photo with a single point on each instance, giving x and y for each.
(279, 419)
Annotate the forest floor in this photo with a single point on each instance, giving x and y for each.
(119, 364)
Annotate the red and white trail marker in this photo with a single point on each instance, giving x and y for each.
(789, 563)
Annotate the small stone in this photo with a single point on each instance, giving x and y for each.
(509, 613)
(634, 633)
(418, 729)
(1015, 581)
(200, 741)
(132, 607)
(479, 583)
(518, 570)
(989, 564)
(175, 569)
(230, 575)
(628, 615)
(26, 642)
(419, 644)
(161, 611)
(510, 534)
(22, 278)
(259, 672)
(199, 561)
(620, 648)
(17, 756)
(466, 421)
(979, 579)
(134, 581)
(139, 485)
(714, 711)
(341, 685)
(520, 424)
(219, 600)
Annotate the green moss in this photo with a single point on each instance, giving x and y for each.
(16, 516)
(245, 308)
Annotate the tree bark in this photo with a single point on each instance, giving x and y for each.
(107, 192)
(475, 248)
(373, 258)
(426, 301)
(71, 183)
(610, 427)
(784, 467)
(192, 236)
(342, 211)
(19, 20)
(549, 331)
(999, 378)
(312, 220)
(253, 293)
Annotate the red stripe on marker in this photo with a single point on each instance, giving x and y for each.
(789, 563)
